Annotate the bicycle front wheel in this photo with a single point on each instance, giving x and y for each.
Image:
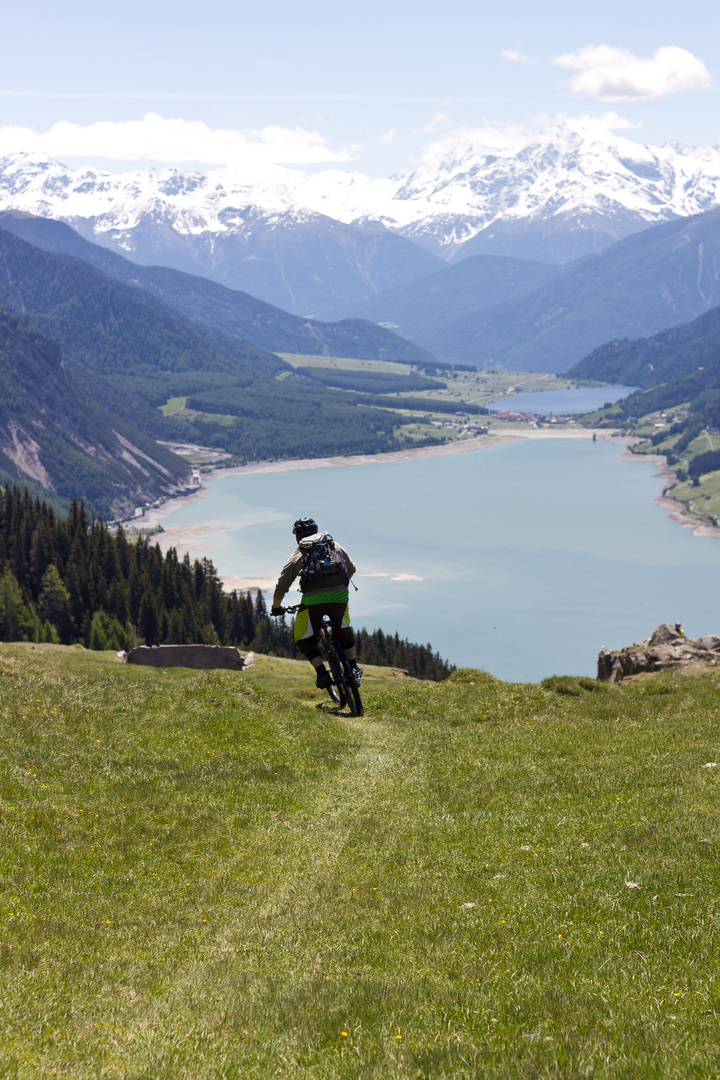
(352, 691)
(337, 673)
(327, 652)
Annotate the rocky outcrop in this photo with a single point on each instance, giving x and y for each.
(190, 656)
(667, 648)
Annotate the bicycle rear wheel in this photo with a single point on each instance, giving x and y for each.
(337, 673)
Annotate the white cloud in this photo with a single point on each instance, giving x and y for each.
(508, 139)
(613, 122)
(388, 137)
(485, 139)
(516, 57)
(612, 74)
(155, 138)
(439, 120)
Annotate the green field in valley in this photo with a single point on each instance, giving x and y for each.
(211, 874)
(173, 405)
(479, 386)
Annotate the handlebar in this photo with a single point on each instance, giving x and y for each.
(290, 610)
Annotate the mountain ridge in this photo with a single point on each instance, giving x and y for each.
(314, 242)
(641, 285)
(227, 310)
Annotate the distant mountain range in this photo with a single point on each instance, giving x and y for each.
(318, 244)
(227, 310)
(640, 285)
(101, 329)
(496, 312)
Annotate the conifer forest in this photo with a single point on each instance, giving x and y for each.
(71, 580)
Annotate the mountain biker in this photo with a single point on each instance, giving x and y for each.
(329, 598)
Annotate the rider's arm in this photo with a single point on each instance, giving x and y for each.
(348, 561)
(289, 572)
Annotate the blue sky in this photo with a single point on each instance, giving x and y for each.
(370, 88)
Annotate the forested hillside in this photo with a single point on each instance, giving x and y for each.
(55, 434)
(680, 351)
(71, 580)
(131, 353)
(225, 309)
(678, 367)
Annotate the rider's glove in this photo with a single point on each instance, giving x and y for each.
(277, 611)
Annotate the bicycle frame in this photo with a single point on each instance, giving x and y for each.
(344, 689)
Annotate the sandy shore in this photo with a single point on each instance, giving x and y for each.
(679, 511)
(688, 520)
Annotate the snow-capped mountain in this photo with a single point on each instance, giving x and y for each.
(314, 243)
(579, 179)
(258, 238)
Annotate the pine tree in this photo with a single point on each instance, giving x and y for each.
(54, 601)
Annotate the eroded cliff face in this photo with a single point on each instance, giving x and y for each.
(667, 648)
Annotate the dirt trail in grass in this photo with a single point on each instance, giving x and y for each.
(367, 782)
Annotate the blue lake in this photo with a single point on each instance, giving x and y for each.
(523, 559)
(562, 402)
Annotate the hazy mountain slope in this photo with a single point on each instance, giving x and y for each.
(474, 284)
(225, 309)
(53, 433)
(645, 362)
(306, 263)
(110, 326)
(641, 285)
(559, 239)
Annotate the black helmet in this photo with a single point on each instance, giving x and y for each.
(304, 527)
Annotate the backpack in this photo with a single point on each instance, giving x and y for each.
(323, 566)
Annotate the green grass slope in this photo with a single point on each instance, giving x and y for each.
(216, 875)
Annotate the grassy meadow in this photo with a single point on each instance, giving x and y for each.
(215, 875)
(479, 386)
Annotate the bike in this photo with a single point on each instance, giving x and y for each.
(344, 688)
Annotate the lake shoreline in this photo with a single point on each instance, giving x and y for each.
(555, 542)
(189, 538)
(183, 537)
(680, 513)
(154, 516)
